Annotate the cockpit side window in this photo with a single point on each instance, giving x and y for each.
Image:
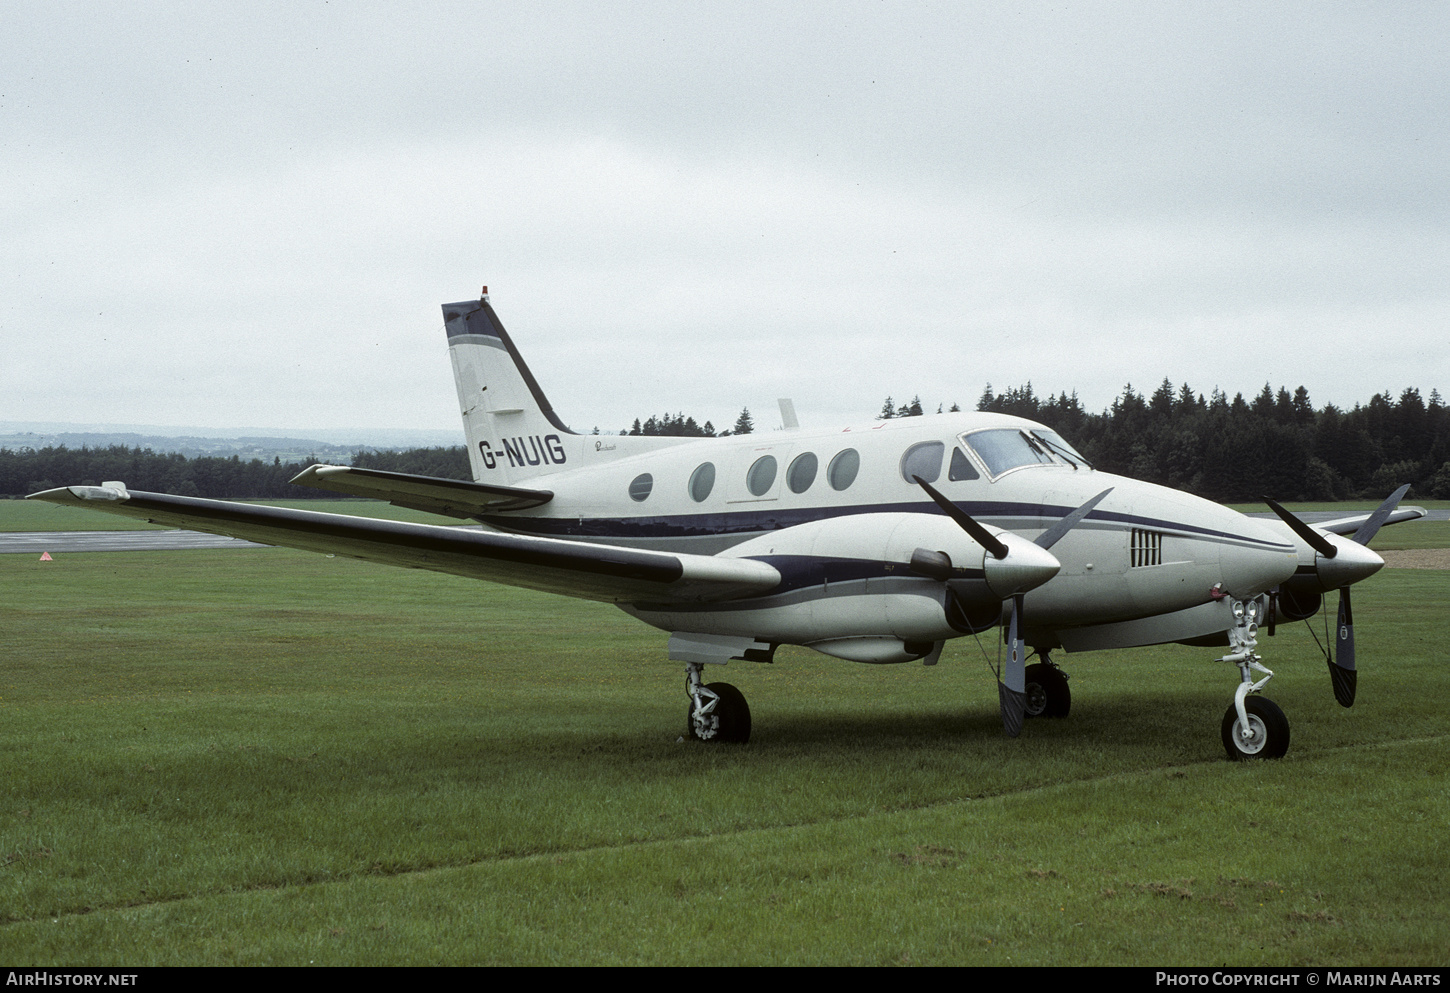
(961, 467)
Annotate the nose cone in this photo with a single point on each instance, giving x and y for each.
(1026, 567)
(1352, 562)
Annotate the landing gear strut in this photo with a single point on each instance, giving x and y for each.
(1047, 692)
(718, 712)
(1253, 728)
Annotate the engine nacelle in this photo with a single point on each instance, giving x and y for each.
(1298, 603)
(917, 544)
(849, 585)
(873, 538)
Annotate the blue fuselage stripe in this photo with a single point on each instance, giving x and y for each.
(746, 523)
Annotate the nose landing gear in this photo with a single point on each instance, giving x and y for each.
(1254, 727)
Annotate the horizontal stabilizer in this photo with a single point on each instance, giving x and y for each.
(592, 571)
(432, 494)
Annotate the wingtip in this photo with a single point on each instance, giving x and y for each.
(318, 470)
(78, 495)
(60, 494)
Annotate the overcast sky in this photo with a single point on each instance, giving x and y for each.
(248, 214)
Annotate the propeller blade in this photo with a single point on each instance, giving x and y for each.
(1341, 668)
(979, 534)
(1342, 672)
(1371, 527)
(1012, 689)
(1052, 535)
(1312, 538)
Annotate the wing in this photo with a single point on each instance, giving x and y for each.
(574, 568)
(1349, 525)
(452, 497)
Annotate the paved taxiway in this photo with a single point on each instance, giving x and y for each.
(115, 541)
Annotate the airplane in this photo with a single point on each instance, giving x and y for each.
(873, 543)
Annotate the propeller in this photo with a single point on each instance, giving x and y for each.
(1342, 673)
(1012, 686)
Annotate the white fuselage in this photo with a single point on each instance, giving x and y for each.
(1145, 550)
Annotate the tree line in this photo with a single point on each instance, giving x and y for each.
(28, 470)
(1277, 444)
(680, 426)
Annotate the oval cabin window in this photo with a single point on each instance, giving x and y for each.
(923, 460)
(761, 476)
(802, 472)
(702, 481)
(841, 473)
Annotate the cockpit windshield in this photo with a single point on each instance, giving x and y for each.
(1004, 449)
(1060, 448)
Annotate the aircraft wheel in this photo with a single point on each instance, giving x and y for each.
(1047, 692)
(728, 722)
(1270, 738)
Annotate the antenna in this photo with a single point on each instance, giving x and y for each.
(787, 414)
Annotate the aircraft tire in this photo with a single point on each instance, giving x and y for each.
(1271, 731)
(1047, 692)
(731, 717)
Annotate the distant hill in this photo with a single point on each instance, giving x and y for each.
(326, 445)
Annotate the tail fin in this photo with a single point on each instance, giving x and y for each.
(509, 423)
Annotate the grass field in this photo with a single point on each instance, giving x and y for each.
(265, 756)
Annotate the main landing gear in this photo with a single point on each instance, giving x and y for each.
(1047, 692)
(718, 711)
(1253, 728)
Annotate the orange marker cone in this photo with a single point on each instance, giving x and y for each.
(45, 557)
